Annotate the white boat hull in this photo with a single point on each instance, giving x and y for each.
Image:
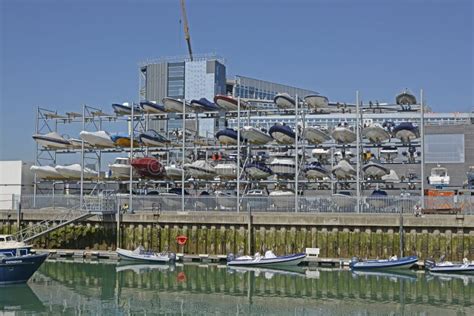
(315, 136)
(174, 173)
(255, 136)
(344, 201)
(283, 169)
(46, 172)
(282, 261)
(121, 171)
(226, 140)
(375, 172)
(343, 135)
(317, 101)
(375, 134)
(226, 171)
(257, 174)
(315, 174)
(405, 136)
(283, 138)
(97, 139)
(151, 257)
(74, 172)
(175, 106)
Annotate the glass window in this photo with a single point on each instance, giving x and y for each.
(447, 148)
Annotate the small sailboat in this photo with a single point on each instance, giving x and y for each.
(375, 133)
(268, 260)
(100, 139)
(378, 199)
(466, 267)
(392, 263)
(74, 172)
(344, 170)
(126, 109)
(283, 134)
(343, 134)
(406, 132)
(255, 136)
(316, 135)
(204, 105)
(258, 170)
(228, 103)
(121, 168)
(375, 170)
(176, 105)
(148, 167)
(124, 140)
(439, 176)
(152, 107)
(284, 101)
(283, 167)
(314, 170)
(52, 140)
(46, 172)
(201, 169)
(140, 254)
(152, 138)
(316, 101)
(228, 136)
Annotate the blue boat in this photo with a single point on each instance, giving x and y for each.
(126, 109)
(17, 263)
(314, 170)
(228, 136)
(152, 138)
(268, 260)
(152, 107)
(282, 133)
(466, 267)
(406, 132)
(204, 105)
(393, 263)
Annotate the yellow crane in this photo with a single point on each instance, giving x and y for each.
(187, 37)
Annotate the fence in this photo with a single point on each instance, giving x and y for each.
(306, 204)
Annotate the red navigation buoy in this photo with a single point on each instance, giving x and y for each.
(181, 240)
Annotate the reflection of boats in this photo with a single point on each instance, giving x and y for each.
(268, 260)
(97, 139)
(148, 167)
(344, 170)
(204, 105)
(255, 136)
(395, 263)
(375, 133)
(52, 140)
(152, 107)
(439, 176)
(344, 199)
(284, 101)
(283, 134)
(283, 167)
(121, 168)
(406, 132)
(201, 169)
(126, 109)
(269, 272)
(228, 103)
(17, 263)
(141, 268)
(74, 171)
(391, 275)
(46, 172)
(140, 254)
(19, 298)
(378, 199)
(314, 170)
(316, 135)
(316, 101)
(465, 267)
(343, 134)
(258, 170)
(176, 105)
(375, 170)
(227, 136)
(152, 138)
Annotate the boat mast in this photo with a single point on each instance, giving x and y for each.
(187, 37)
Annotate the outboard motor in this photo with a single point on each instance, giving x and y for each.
(230, 257)
(429, 263)
(172, 256)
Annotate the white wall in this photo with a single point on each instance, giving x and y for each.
(15, 178)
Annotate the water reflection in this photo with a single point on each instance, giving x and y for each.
(76, 287)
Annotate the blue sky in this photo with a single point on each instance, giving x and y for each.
(62, 54)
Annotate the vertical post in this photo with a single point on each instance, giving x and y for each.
(16, 199)
(238, 154)
(35, 187)
(422, 136)
(117, 218)
(296, 154)
(132, 132)
(183, 154)
(82, 156)
(401, 228)
(358, 152)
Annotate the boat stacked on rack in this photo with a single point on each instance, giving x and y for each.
(226, 170)
(439, 176)
(321, 154)
(375, 133)
(204, 105)
(175, 172)
(46, 173)
(148, 167)
(316, 101)
(52, 140)
(406, 132)
(152, 138)
(282, 197)
(375, 170)
(389, 152)
(151, 107)
(172, 105)
(284, 101)
(228, 136)
(344, 199)
(283, 134)
(74, 172)
(378, 199)
(316, 135)
(315, 171)
(126, 109)
(283, 167)
(201, 169)
(124, 140)
(343, 134)
(99, 139)
(228, 103)
(258, 170)
(121, 168)
(344, 170)
(255, 136)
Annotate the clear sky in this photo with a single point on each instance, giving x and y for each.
(61, 54)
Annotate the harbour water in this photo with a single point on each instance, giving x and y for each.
(71, 287)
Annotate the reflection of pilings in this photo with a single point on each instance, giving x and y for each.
(335, 284)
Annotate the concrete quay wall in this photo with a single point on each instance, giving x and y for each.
(218, 233)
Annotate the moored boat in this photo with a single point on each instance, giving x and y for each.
(465, 267)
(268, 260)
(140, 254)
(392, 263)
